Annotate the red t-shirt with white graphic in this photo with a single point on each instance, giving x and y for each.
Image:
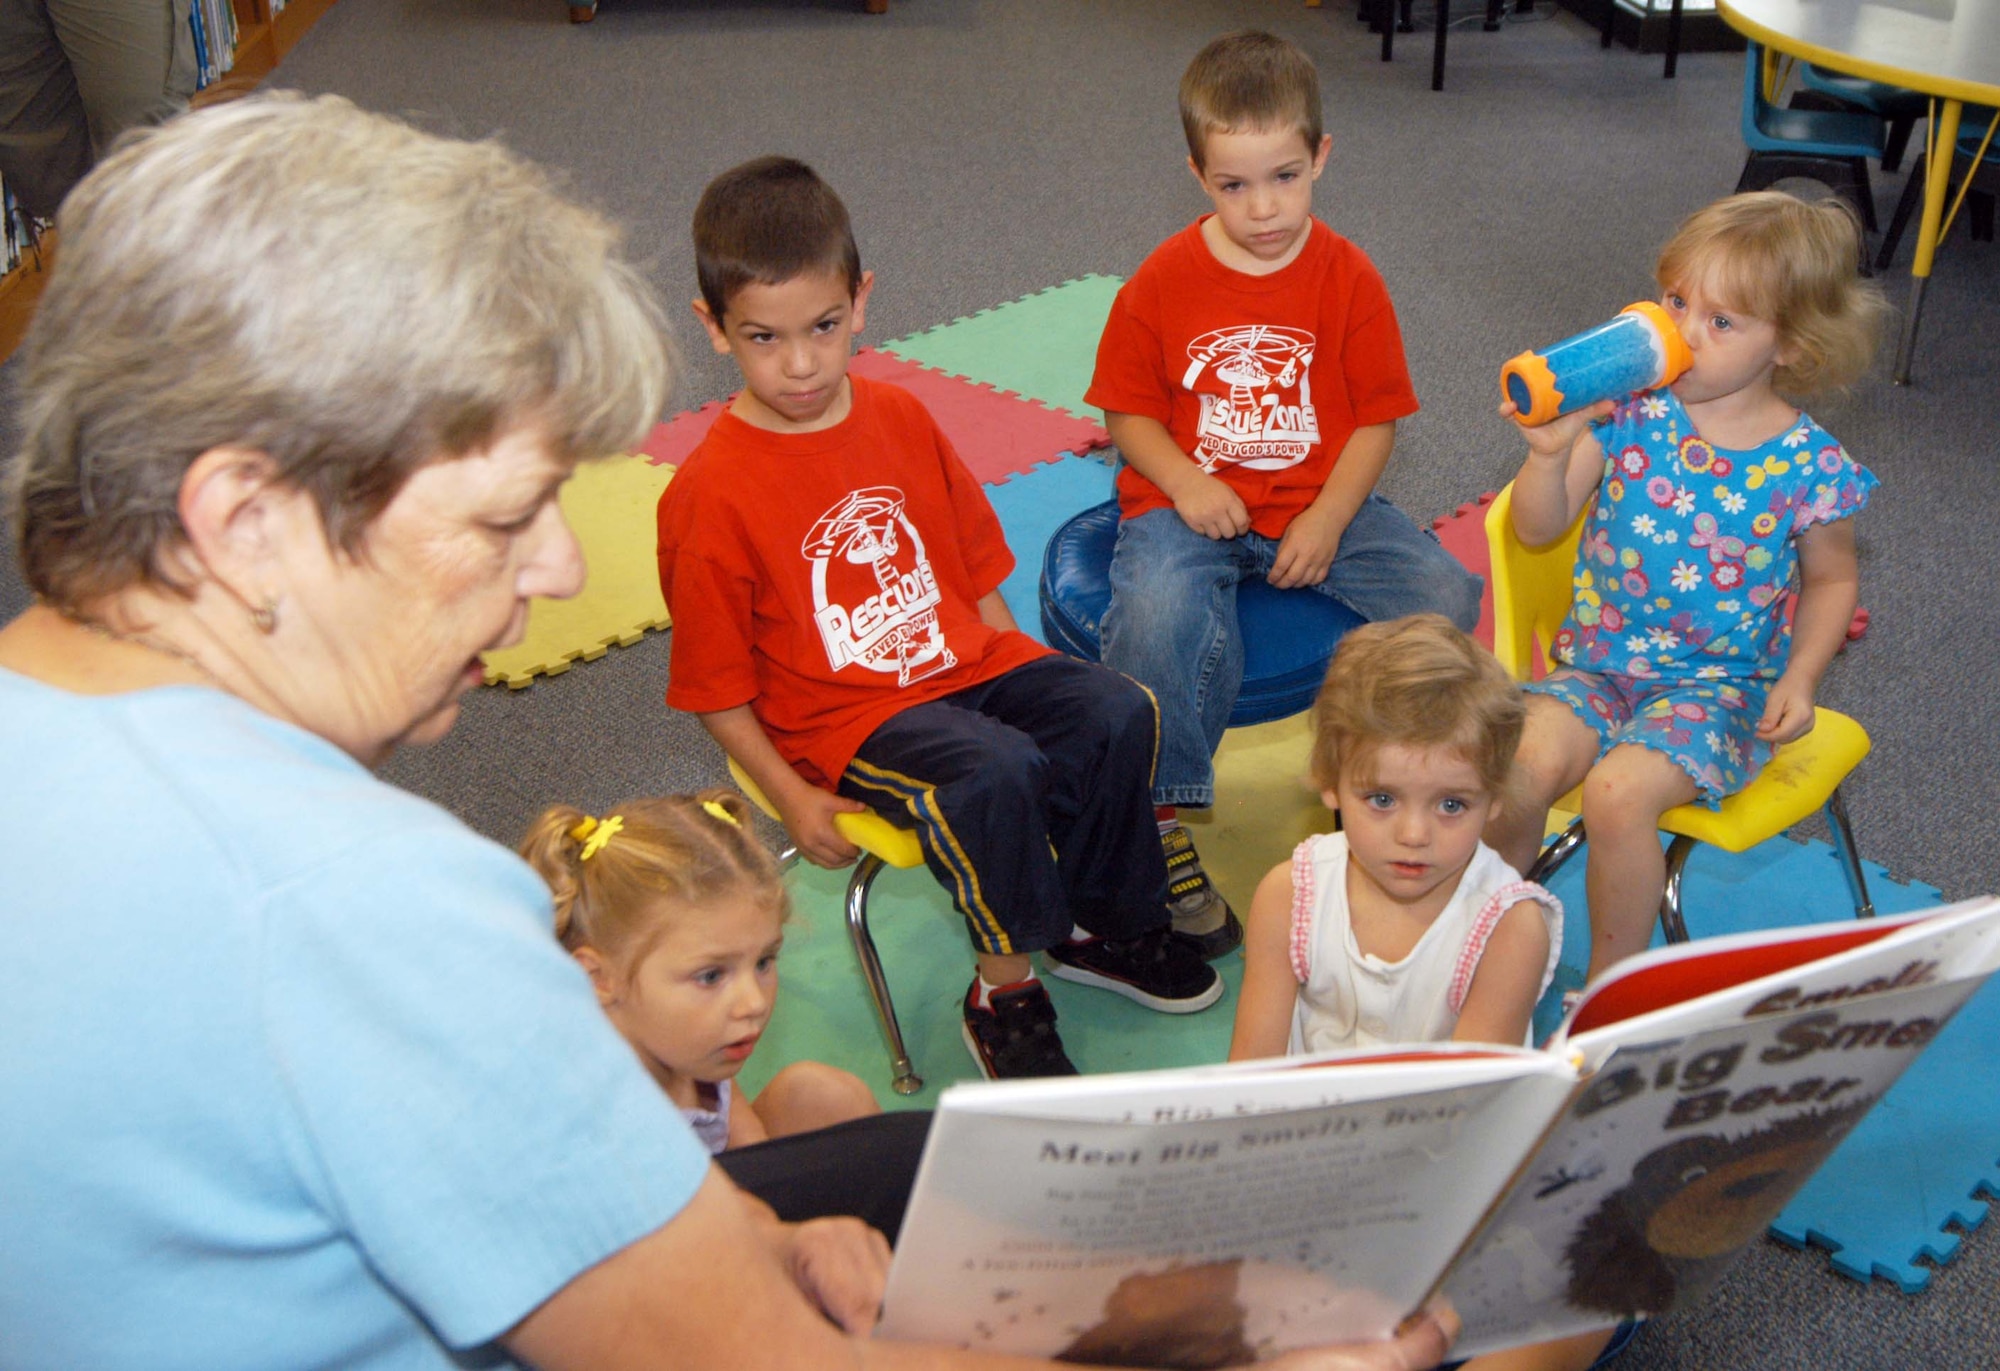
(1260, 379)
(831, 580)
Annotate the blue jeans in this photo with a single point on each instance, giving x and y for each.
(1172, 622)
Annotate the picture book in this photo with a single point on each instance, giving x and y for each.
(1216, 1216)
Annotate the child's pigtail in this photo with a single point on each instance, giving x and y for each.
(552, 848)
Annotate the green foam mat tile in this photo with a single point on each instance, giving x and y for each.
(1040, 347)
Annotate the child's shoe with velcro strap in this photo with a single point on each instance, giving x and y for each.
(1161, 970)
(1200, 913)
(1016, 1038)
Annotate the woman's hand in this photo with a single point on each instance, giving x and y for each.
(1420, 1343)
(842, 1265)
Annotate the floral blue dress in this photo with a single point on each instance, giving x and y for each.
(1681, 616)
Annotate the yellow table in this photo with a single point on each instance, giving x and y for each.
(1947, 49)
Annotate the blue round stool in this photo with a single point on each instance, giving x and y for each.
(1288, 635)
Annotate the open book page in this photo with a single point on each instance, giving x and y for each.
(1701, 1119)
(1208, 1217)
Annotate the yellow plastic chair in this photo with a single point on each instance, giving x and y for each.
(882, 844)
(1531, 598)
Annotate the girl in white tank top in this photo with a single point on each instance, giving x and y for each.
(1403, 927)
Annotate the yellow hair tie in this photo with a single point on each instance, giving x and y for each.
(595, 833)
(714, 810)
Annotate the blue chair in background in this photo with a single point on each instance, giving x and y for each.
(1288, 635)
(1832, 147)
(1897, 107)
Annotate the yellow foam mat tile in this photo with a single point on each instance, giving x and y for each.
(610, 506)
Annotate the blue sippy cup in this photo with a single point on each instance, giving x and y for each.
(1638, 349)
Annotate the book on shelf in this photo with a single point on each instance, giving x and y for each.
(213, 26)
(1213, 1216)
(13, 230)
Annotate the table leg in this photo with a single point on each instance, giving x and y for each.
(1673, 39)
(1943, 138)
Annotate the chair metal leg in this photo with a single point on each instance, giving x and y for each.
(1906, 206)
(1862, 197)
(1850, 856)
(1437, 44)
(1670, 898)
(907, 1081)
(1899, 141)
(1559, 851)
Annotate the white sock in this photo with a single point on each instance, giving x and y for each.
(986, 988)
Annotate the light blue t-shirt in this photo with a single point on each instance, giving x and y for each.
(292, 1073)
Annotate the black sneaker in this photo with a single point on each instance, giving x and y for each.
(1161, 970)
(1016, 1038)
(1199, 912)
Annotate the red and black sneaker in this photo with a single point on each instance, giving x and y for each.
(1161, 970)
(1016, 1038)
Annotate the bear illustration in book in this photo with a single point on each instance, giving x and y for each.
(1691, 1206)
(1185, 1317)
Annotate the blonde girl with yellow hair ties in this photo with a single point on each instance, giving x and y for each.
(676, 910)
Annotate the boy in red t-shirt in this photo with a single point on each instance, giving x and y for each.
(833, 571)
(1252, 374)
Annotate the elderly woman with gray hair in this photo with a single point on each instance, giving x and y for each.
(291, 1071)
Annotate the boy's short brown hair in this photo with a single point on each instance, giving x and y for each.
(1249, 80)
(764, 223)
(1417, 682)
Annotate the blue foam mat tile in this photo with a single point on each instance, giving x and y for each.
(1032, 506)
(1887, 1200)
(1912, 1169)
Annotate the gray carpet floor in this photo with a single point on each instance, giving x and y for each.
(990, 148)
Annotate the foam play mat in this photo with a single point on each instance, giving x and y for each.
(1042, 346)
(996, 434)
(609, 505)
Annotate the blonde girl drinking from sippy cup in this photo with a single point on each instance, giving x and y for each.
(1683, 662)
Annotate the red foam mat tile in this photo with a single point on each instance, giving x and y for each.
(997, 434)
(670, 443)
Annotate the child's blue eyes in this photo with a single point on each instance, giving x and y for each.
(1382, 800)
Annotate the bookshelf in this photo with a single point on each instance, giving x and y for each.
(265, 31)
